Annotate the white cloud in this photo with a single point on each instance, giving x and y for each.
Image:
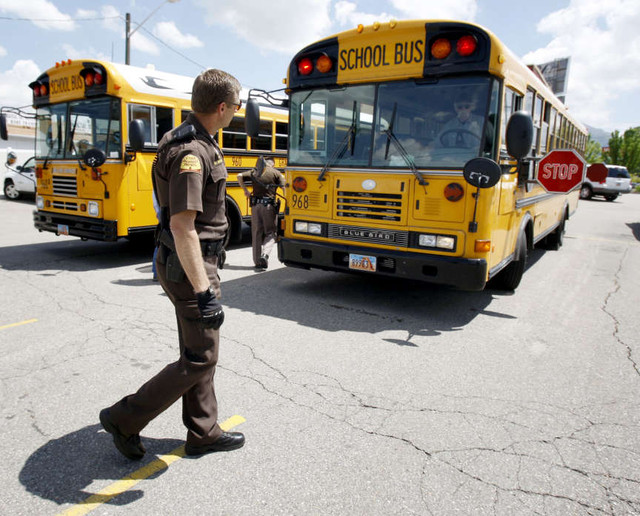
(169, 33)
(143, 44)
(113, 19)
(14, 89)
(603, 41)
(347, 13)
(437, 9)
(43, 13)
(70, 52)
(3, 51)
(277, 26)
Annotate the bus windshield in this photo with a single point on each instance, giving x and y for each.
(68, 130)
(439, 123)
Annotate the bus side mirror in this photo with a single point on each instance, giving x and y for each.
(519, 134)
(252, 118)
(3, 128)
(482, 172)
(94, 158)
(136, 135)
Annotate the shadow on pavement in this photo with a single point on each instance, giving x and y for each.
(63, 469)
(336, 302)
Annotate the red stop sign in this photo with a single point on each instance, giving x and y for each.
(561, 171)
(597, 172)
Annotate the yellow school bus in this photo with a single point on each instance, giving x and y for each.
(387, 123)
(88, 104)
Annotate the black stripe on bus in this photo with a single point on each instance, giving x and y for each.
(315, 78)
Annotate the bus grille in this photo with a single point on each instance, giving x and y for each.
(366, 205)
(369, 235)
(65, 205)
(65, 185)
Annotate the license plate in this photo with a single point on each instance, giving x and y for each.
(63, 229)
(361, 262)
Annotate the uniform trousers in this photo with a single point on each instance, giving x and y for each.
(189, 378)
(264, 229)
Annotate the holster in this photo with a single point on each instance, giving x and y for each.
(168, 256)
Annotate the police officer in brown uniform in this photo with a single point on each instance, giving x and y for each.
(190, 180)
(264, 208)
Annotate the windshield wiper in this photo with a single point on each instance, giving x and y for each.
(391, 137)
(72, 145)
(349, 138)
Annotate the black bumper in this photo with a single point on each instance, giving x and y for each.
(466, 274)
(83, 227)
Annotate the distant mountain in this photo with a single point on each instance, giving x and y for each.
(599, 135)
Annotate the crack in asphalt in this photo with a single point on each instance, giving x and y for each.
(547, 467)
(616, 323)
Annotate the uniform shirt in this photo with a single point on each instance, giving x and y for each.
(190, 175)
(270, 177)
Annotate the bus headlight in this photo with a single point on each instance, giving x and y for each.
(93, 209)
(445, 242)
(39, 202)
(437, 241)
(427, 240)
(312, 228)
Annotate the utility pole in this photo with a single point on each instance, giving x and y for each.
(127, 45)
(129, 32)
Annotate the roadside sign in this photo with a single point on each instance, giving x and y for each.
(597, 173)
(561, 171)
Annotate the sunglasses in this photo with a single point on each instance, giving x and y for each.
(237, 105)
(463, 106)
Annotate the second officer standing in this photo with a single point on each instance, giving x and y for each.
(264, 208)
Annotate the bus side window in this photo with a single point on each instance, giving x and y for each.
(157, 121)
(184, 114)
(282, 136)
(512, 103)
(263, 140)
(234, 137)
(164, 122)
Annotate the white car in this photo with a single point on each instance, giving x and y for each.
(618, 181)
(21, 180)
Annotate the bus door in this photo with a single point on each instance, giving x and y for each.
(157, 120)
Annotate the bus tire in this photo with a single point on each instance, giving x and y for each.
(556, 239)
(509, 277)
(234, 221)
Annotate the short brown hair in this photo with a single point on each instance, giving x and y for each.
(211, 88)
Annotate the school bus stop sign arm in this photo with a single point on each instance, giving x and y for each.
(561, 171)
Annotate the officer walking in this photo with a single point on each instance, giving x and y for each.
(264, 208)
(190, 180)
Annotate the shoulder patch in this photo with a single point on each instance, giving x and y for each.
(190, 163)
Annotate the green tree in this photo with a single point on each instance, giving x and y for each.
(614, 154)
(593, 153)
(624, 149)
(631, 150)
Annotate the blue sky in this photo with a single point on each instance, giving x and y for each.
(255, 39)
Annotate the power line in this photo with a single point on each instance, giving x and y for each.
(58, 20)
(202, 67)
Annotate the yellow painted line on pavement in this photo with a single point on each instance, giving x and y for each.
(28, 321)
(121, 486)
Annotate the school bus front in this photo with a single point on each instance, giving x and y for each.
(383, 121)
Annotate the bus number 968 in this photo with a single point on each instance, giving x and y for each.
(300, 201)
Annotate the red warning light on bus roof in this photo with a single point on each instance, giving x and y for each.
(466, 45)
(305, 66)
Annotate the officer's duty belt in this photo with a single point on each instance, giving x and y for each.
(262, 200)
(208, 247)
(211, 247)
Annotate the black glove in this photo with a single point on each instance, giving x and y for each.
(210, 309)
